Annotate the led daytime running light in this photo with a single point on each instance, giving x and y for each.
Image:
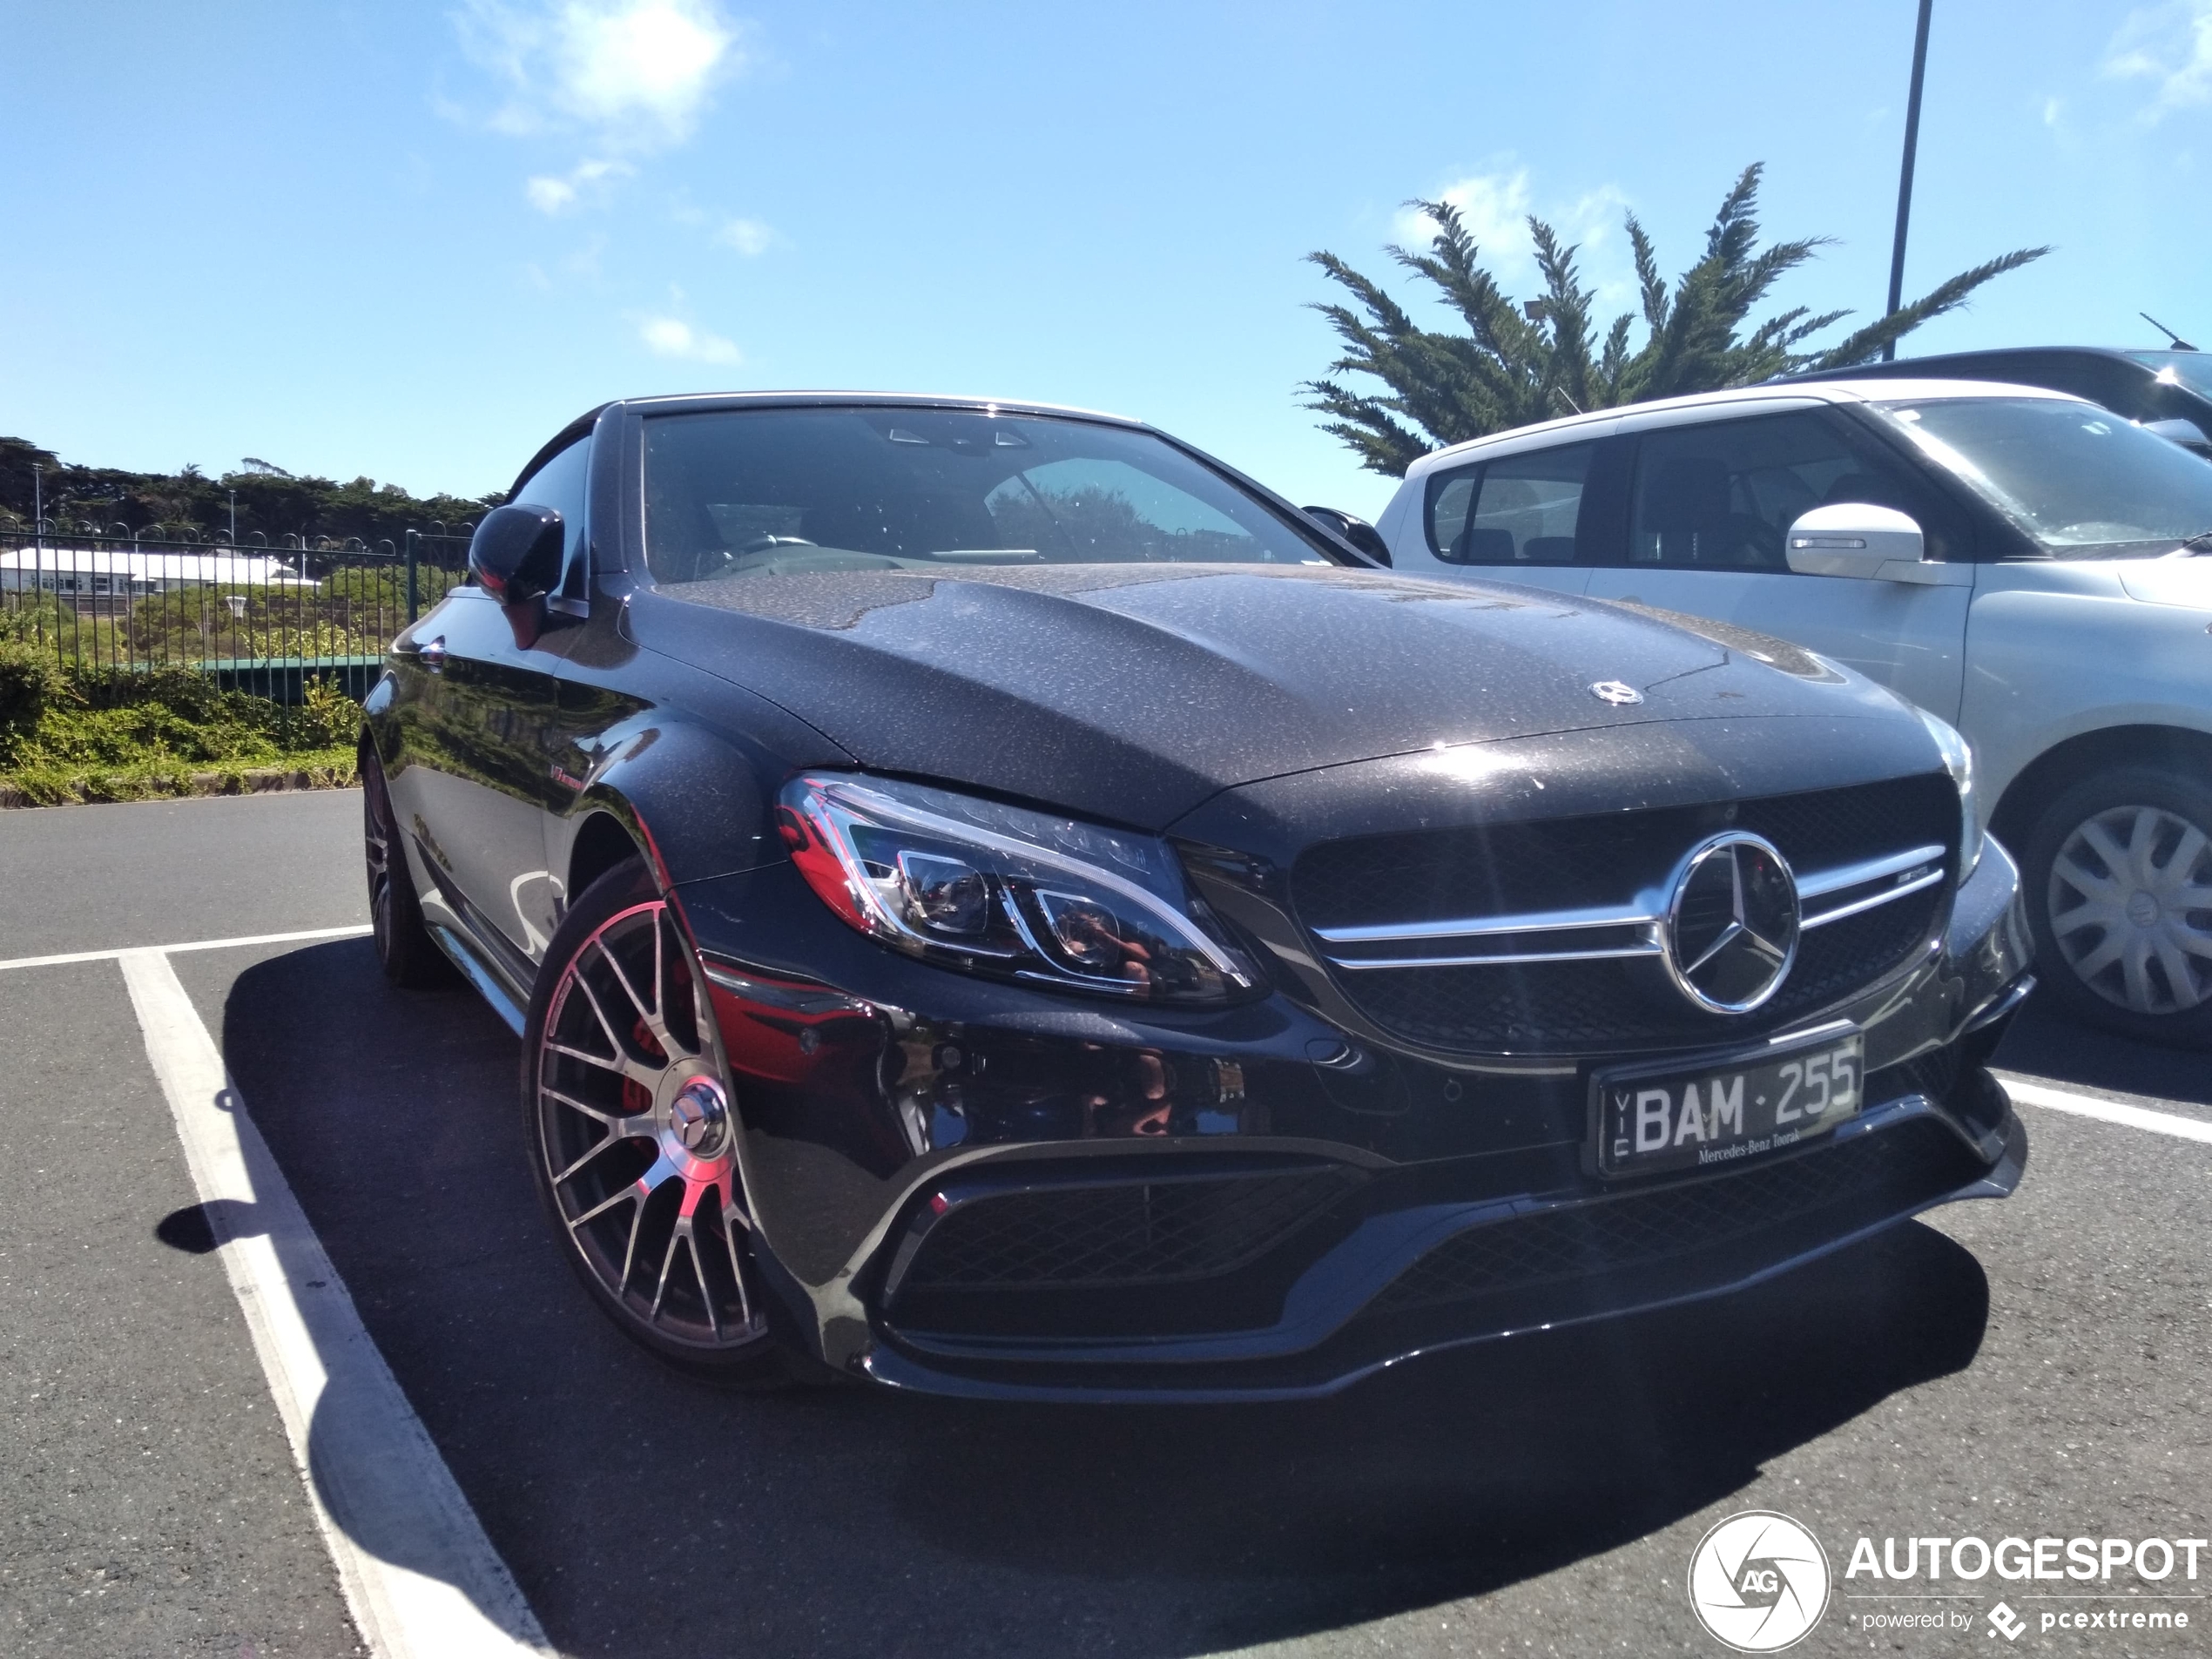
(1028, 926)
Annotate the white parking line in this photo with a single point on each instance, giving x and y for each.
(122, 951)
(2028, 1093)
(373, 1476)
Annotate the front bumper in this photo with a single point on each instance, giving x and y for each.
(968, 1188)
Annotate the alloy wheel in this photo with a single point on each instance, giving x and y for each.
(380, 845)
(2130, 905)
(637, 1139)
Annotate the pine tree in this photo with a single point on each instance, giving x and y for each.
(1509, 369)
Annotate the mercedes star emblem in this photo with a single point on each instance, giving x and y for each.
(1620, 693)
(1731, 930)
(697, 1116)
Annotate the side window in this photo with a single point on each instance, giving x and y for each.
(1519, 509)
(1722, 496)
(561, 483)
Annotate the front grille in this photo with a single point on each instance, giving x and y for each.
(1879, 1174)
(1132, 1232)
(1934, 1074)
(1605, 860)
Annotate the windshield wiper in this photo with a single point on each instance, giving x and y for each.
(2200, 542)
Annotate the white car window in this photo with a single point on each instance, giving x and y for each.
(1521, 509)
(1724, 494)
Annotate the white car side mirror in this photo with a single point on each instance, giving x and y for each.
(1856, 539)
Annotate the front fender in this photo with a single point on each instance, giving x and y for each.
(697, 804)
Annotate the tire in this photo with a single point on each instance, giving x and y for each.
(2118, 875)
(408, 955)
(632, 1143)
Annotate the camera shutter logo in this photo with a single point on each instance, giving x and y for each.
(1758, 1582)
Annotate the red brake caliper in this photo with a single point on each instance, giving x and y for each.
(635, 1097)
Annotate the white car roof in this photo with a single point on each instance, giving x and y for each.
(1770, 394)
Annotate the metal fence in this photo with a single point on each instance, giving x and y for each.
(257, 617)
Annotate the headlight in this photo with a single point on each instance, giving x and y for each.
(986, 888)
(1959, 761)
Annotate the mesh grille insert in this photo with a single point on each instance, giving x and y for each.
(1126, 1233)
(1639, 1228)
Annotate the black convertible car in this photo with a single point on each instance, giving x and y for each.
(995, 903)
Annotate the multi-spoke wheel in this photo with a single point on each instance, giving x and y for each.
(404, 947)
(2119, 875)
(636, 1151)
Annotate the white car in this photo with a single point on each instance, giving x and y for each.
(2024, 564)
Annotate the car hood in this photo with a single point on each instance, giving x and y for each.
(1133, 692)
(2169, 581)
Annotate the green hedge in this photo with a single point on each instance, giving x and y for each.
(120, 734)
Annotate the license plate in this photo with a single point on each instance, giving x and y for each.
(1653, 1118)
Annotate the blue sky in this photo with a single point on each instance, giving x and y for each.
(411, 240)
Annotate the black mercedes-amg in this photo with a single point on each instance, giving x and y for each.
(995, 903)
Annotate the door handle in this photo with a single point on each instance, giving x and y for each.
(431, 653)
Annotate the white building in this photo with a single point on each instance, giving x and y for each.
(117, 570)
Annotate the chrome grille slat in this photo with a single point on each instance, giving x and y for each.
(1821, 883)
(1884, 897)
(1644, 915)
(1547, 922)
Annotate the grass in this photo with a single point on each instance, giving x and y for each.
(110, 734)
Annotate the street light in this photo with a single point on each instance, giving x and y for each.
(1904, 172)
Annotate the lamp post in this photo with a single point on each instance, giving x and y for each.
(38, 505)
(1904, 172)
(233, 518)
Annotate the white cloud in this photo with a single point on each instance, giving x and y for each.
(553, 193)
(637, 72)
(2169, 46)
(550, 195)
(749, 236)
(1495, 207)
(672, 337)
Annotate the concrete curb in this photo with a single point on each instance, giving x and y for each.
(260, 781)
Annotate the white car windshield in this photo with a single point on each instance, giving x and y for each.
(2081, 481)
(779, 492)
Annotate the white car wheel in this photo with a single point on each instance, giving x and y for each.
(2119, 882)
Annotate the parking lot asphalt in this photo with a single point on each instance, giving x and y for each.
(2036, 1367)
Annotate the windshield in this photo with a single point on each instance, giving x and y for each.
(772, 492)
(2083, 482)
(2189, 368)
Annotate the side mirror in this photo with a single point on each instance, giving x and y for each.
(515, 553)
(1857, 539)
(2185, 433)
(1358, 531)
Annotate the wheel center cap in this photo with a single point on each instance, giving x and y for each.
(2143, 908)
(699, 1117)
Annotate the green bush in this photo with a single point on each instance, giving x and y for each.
(173, 718)
(28, 681)
(326, 717)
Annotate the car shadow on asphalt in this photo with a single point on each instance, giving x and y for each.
(2044, 1041)
(644, 1513)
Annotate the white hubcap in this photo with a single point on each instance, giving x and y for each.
(2131, 906)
